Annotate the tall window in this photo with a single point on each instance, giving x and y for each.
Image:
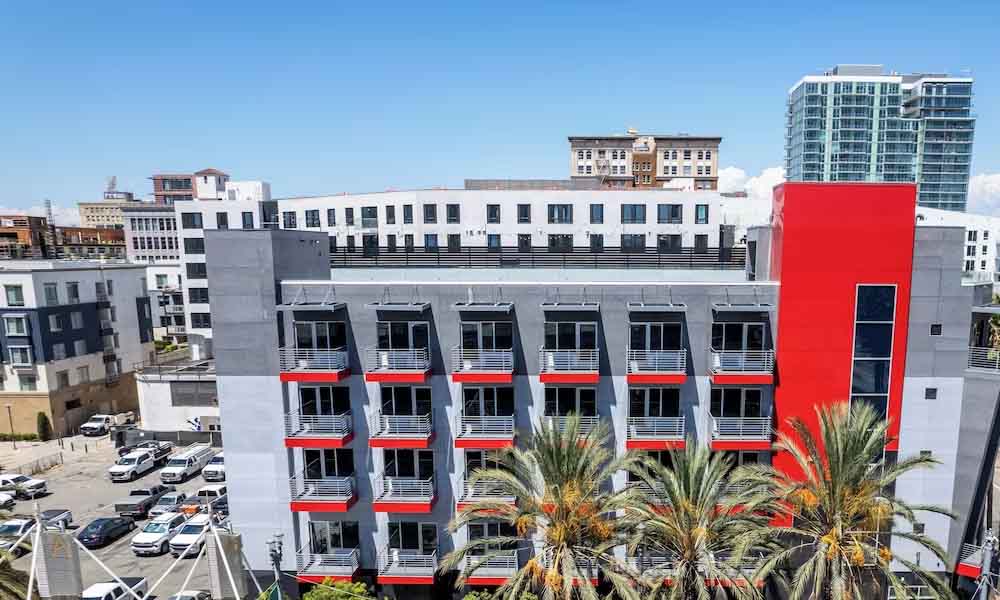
(312, 218)
(633, 242)
(633, 213)
(701, 214)
(407, 214)
(390, 215)
(431, 242)
(596, 214)
(523, 213)
(430, 213)
(493, 213)
(454, 214)
(247, 220)
(288, 218)
(221, 220)
(15, 295)
(875, 313)
(670, 213)
(454, 242)
(349, 216)
(331, 217)
(524, 242)
(51, 294)
(560, 214)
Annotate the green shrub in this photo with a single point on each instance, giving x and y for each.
(338, 590)
(44, 427)
(19, 437)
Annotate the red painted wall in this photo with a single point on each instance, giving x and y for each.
(826, 239)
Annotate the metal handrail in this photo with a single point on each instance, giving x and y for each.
(412, 359)
(406, 488)
(984, 358)
(484, 426)
(298, 424)
(741, 428)
(657, 563)
(336, 560)
(655, 361)
(174, 309)
(553, 361)
(496, 561)
(407, 562)
(656, 427)
(303, 488)
(483, 489)
(588, 566)
(587, 424)
(308, 359)
(479, 360)
(400, 425)
(742, 361)
(176, 329)
(971, 554)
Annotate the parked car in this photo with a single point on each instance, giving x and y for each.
(156, 535)
(104, 530)
(169, 502)
(187, 463)
(141, 500)
(57, 518)
(140, 461)
(215, 470)
(97, 425)
(191, 595)
(7, 500)
(11, 530)
(22, 486)
(214, 495)
(112, 590)
(188, 536)
(146, 445)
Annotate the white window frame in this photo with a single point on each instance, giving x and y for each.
(24, 325)
(10, 354)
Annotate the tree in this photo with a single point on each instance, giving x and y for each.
(563, 497)
(44, 427)
(13, 582)
(842, 509)
(338, 590)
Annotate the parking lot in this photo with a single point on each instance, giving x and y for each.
(82, 486)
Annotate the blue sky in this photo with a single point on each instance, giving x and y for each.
(337, 96)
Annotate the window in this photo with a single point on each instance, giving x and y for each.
(431, 242)
(430, 213)
(198, 295)
(708, 155)
(493, 213)
(312, 218)
(51, 294)
(633, 213)
(454, 242)
(369, 216)
(55, 322)
(190, 220)
(970, 251)
(736, 402)
(58, 351)
(196, 271)
(452, 212)
(331, 217)
(971, 236)
(560, 214)
(493, 241)
(523, 213)
(73, 292)
(670, 213)
(390, 215)
(222, 220)
(201, 320)
(668, 243)
(687, 170)
(79, 347)
(194, 246)
(687, 155)
(524, 242)
(873, 333)
(288, 219)
(350, 243)
(76, 320)
(935, 329)
(247, 220)
(28, 383)
(596, 213)
(20, 355)
(701, 214)
(333, 244)
(82, 374)
(407, 214)
(570, 335)
(408, 244)
(708, 170)
(597, 242)
(15, 295)
(15, 326)
(633, 242)
(701, 155)
(560, 243)
(349, 216)
(930, 393)
(390, 241)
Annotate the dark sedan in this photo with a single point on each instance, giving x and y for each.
(103, 531)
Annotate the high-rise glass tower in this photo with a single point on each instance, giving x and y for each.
(856, 123)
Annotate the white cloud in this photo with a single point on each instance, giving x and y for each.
(69, 217)
(758, 187)
(984, 194)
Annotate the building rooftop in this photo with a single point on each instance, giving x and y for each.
(534, 277)
(657, 136)
(31, 265)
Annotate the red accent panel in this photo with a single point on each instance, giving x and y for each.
(486, 581)
(387, 580)
(968, 570)
(315, 376)
(397, 377)
(654, 444)
(569, 377)
(403, 507)
(661, 378)
(313, 506)
(318, 442)
(322, 578)
(819, 261)
(483, 443)
(740, 445)
(463, 505)
(385, 442)
(734, 379)
(482, 377)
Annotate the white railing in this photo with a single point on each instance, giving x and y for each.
(480, 361)
(174, 309)
(971, 555)
(300, 425)
(302, 359)
(984, 358)
(585, 566)
(742, 361)
(656, 361)
(176, 330)
(473, 491)
(396, 562)
(652, 563)
(336, 561)
(497, 564)
(417, 426)
(327, 488)
(415, 359)
(404, 488)
(484, 426)
(554, 361)
(741, 428)
(657, 490)
(587, 424)
(669, 428)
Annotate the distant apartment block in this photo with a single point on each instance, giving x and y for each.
(108, 213)
(151, 233)
(173, 187)
(646, 161)
(89, 242)
(22, 236)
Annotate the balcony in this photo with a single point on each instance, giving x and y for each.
(404, 495)
(308, 365)
(318, 431)
(482, 366)
(406, 567)
(741, 433)
(491, 570)
(656, 366)
(482, 491)
(338, 564)
(984, 359)
(176, 330)
(587, 424)
(750, 367)
(327, 494)
(174, 309)
(569, 366)
(970, 561)
(586, 567)
(650, 564)
(654, 433)
(397, 366)
(400, 431)
(485, 432)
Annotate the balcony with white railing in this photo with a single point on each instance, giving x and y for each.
(652, 564)
(176, 330)
(742, 366)
(404, 494)
(741, 433)
(482, 490)
(656, 366)
(400, 431)
(569, 366)
(587, 424)
(970, 561)
(481, 366)
(326, 494)
(335, 563)
(492, 569)
(318, 431)
(310, 364)
(654, 433)
(484, 431)
(410, 365)
(984, 359)
(397, 566)
(586, 567)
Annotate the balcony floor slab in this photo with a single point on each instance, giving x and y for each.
(342, 505)
(656, 378)
(314, 376)
(397, 376)
(318, 441)
(483, 377)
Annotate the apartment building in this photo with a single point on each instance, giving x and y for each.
(177, 187)
(89, 243)
(858, 123)
(108, 213)
(634, 160)
(361, 396)
(22, 236)
(150, 233)
(72, 330)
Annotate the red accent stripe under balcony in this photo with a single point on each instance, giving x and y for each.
(318, 431)
(406, 567)
(494, 570)
(741, 367)
(412, 365)
(970, 561)
(663, 367)
(310, 365)
(337, 564)
(327, 494)
(404, 495)
(569, 366)
(654, 433)
(481, 366)
(741, 433)
(486, 432)
(400, 431)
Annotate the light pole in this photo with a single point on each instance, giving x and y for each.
(10, 417)
(274, 550)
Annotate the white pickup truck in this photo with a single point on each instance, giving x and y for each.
(101, 424)
(112, 590)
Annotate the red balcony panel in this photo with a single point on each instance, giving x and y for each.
(322, 578)
(314, 376)
(398, 376)
(486, 581)
(467, 377)
(741, 445)
(742, 379)
(323, 506)
(970, 571)
(399, 580)
(654, 444)
(318, 442)
(656, 378)
(582, 378)
(484, 444)
(396, 442)
(388, 506)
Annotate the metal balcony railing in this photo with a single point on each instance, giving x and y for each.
(586, 566)
(587, 424)
(656, 361)
(492, 427)
(327, 488)
(174, 309)
(984, 358)
(483, 490)
(176, 330)
(411, 426)
(335, 561)
(742, 361)
(414, 359)
(664, 428)
(465, 360)
(496, 565)
(405, 489)
(656, 490)
(335, 426)
(555, 361)
(302, 359)
(741, 428)
(971, 555)
(397, 562)
(652, 564)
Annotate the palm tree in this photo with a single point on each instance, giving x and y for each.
(563, 499)
(13, 582)
(843, 511)
(701, 528)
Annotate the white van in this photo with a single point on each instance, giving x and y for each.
(187, 463)
(215, 470)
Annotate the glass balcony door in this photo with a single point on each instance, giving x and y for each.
(654, 402)
(655, 336)
(738, 336)
(402, 335)
(405, 401)
(479, 459)
(487, 335)
(320, 335)
(490, 529)
(404, 462)
(488, 401)
(563, 401)
(325, 536)
(324, 400)
(324, 463)
(418, 537)
(570, 336)
(736, 402)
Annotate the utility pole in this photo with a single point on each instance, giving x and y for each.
(986, 576)
(10, 417)
(274, 550)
